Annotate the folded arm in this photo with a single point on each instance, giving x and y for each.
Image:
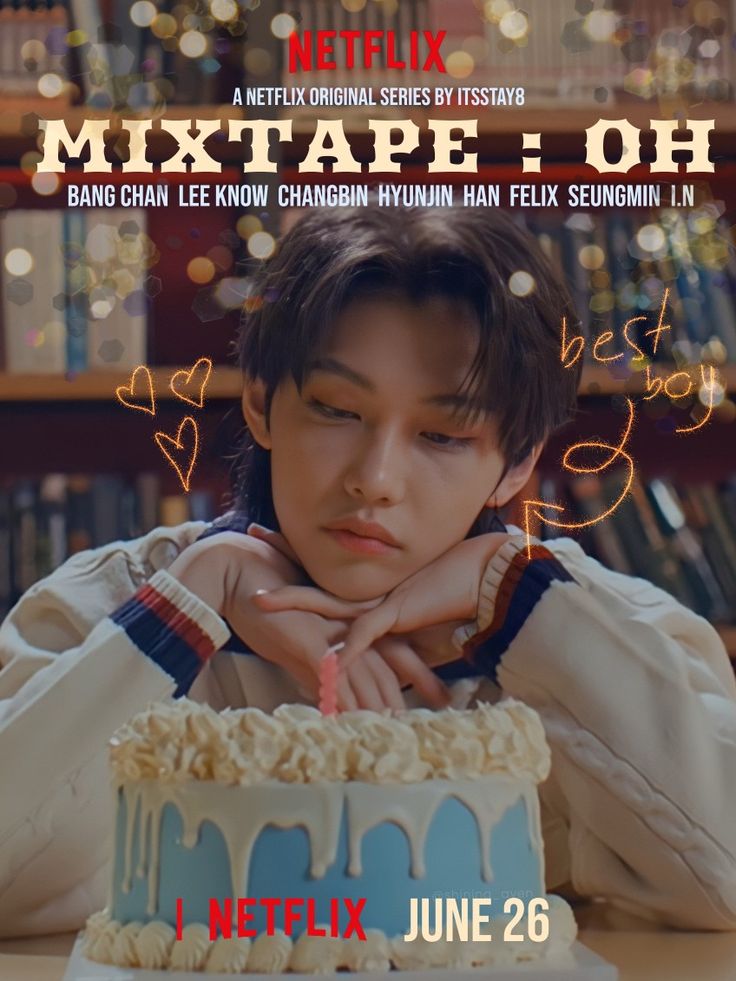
(639, 705)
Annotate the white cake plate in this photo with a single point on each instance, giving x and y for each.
(580, 964)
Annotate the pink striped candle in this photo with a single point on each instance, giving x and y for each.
(328, 672)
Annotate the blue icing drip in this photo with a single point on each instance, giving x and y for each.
(280, 867)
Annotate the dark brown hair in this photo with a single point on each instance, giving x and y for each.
(332, 257)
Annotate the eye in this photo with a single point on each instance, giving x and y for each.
(330, 411)
(442, 439)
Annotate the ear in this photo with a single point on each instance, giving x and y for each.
(254, 410)
(515, 479)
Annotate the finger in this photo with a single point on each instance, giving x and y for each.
(311, 600)
(346, 698)
(386, 680)
(364, 686)
(411, 670)
(275, 539)
(367, 628)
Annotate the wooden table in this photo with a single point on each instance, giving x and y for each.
(640, 951)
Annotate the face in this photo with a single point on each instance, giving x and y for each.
(373, 474)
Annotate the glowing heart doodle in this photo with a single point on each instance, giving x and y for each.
(194, 379)
(124, 393)
(182, 448)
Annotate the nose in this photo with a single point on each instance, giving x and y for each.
(377, 471)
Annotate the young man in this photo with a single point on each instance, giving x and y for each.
(396, 390)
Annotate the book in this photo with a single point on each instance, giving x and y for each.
(24, 534)
(705, 517)
(6, 551)
(668, 507)
(587, 492)
(51, 546)
(76, 284)
(33, 286)
(78, 299)
(115, 252)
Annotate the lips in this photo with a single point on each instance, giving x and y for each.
(364, 529)
(363, 537)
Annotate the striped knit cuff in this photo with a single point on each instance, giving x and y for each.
(512, 585)
(173, 627)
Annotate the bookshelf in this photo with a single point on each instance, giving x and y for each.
(38, 412)
(224, 384)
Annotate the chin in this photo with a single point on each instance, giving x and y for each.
(355, 586)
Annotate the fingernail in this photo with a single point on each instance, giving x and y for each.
(336, 648)
(255, 526)
(261, 592)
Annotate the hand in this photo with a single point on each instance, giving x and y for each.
(368, 685)
(228, 570)
(444, 591)
(273, 538)
(371, 681)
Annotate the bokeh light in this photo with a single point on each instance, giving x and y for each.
(711, 394)
(600, 25)
(494, 10)
(192, 44)
(248, 225)
(33, 50)
(650, 238)
(514, 25)
(201, 270)
(261, 245)
(45, 184)
(521, 283)
(221, 256)
(459, 64)
(142, 13)
(591, 257)
(100, 309)
(50, 85)
(224, 10)
(163, 25)
(18, 262)
(257, 61)
(282, 25)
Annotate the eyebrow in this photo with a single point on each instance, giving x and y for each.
(453, 400)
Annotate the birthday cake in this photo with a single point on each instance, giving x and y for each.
(249, 842)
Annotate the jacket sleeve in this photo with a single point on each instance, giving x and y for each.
(638, 701)
(82, 651)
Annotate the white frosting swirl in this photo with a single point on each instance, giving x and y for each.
(124, 951)
(228, 955)
(371, 954)
(101, 935)
(173, 742)
(190, 953)
(270, 954)
(316, 955)
(153, 945)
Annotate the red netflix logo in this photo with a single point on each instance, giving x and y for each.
(294, 914)
(361, 48)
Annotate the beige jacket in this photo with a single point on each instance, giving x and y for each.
(635, 692)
